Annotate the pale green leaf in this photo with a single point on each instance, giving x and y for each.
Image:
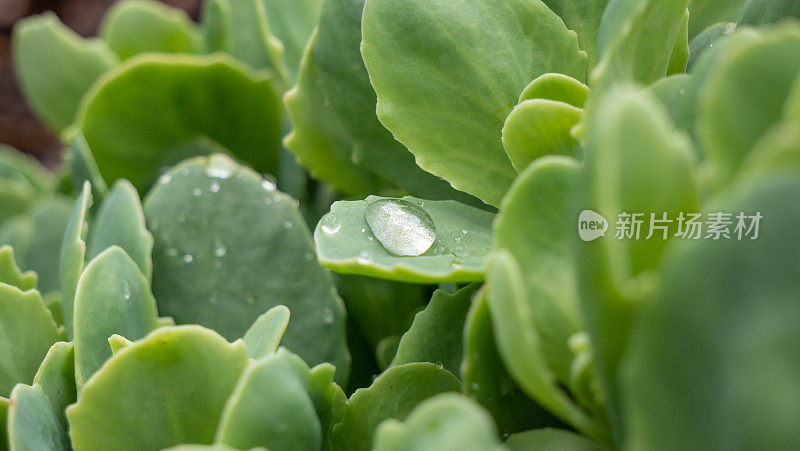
(173, 384)
(32, 423)
(539, 127)
(56, 67)
(10, 274)
(448, 73)
(56, 376)
(73, 254)
(263, 337)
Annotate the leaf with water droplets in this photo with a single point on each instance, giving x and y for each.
(120, 222)
(27, 331)
(392, 395)
(364, 237)
(436, 335)
(173, 384)
(263, 242)
(113, 297)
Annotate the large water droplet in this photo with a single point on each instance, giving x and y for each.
(330, 224)
(403, 228)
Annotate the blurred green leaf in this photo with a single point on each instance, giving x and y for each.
(214, 97)
(10, 274)
(229, 246)
(447, 75)
(73, 255)
(292, 23)
(173, 384)
(764, 12)
(706, 13)
(137, 26)
(539, 127)
(714, 355)
(550, 440)
(56, 67)
(583, 17)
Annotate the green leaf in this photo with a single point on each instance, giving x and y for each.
(49, 220)
(392, 395)
(535, 226)
(3, 423)
(763, 12)
(23, 167)
(637, 40)
(381, 308)
(346, 243)
(557, 87)
(448, 73)
(521, 346)
(272, 407)
(536, 128)
(113, 297)
(733, 300)
(16, 232)
(240, 28)
(319, 138)
(10, 273)
(73, 254)
(680, 53)
(292, 23)
(708, 39)
(342, 84)
(550, 440)
(55, 67)
(32, 422)
(635, 163)
(214, 447)
(706, 13)
(118, 343)
(487, 381)
(202, 216)
(445, 422)
(174, 384)
(386, 350)
(263, 337)
(120, 222)
(137, 26)
(583, 17)
(79, 159)
(436, 335)
(56, 376)
(213, 96)
(27, 331)
(733, 111)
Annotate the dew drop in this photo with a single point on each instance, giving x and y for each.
(268, 185)
(250, 299)
(214, 188)
(463, 232)
(219, 172)
(330, 224)
(364, 259)
(126, 291)
(309, 256)
(172, 252)
(460, 251)
(327, 316)
(403, 228)
(187, 258)
(220, 250)
(196, 192)
(164, 179)
(288, 225)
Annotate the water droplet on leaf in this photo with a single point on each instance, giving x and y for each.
(214, 187)
(403, 228)
(330, 224)
(187, 258)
